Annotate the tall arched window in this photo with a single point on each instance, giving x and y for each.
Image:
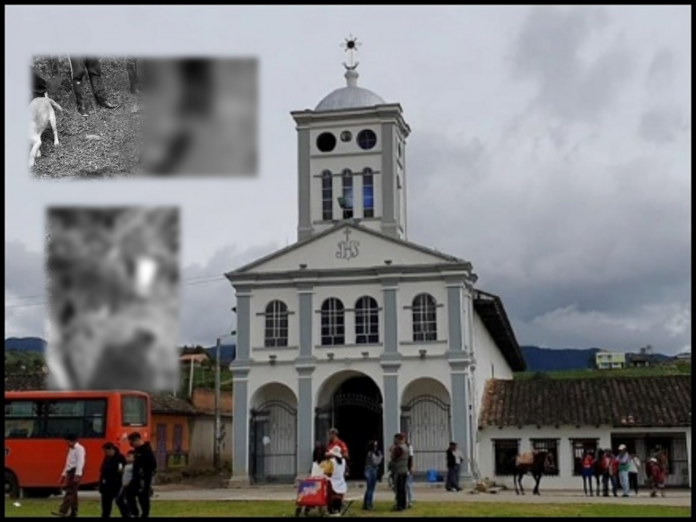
(276, 332)
(326, 195)
(333, 323)
(368, 193)
(347, 195)
(424, 318)
(366, 321)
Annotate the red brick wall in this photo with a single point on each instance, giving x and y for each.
(205, 400)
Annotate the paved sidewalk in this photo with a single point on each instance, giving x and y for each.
(422, 494)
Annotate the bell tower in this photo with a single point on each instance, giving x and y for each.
(351, 159)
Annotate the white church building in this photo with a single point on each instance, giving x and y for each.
(353, 326)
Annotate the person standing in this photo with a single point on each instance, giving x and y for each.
(144, 467)
(633, 470)
(587, 472)
(90, 66)
(334, 440)
(373, 460)
(70, 478)
(399, 468)
(623, 460)
(127, 500)
(657, 477)
(454, 461)
(337, 480)
(409, 481)
(110, 477)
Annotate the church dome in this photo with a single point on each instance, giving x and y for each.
(349, 97)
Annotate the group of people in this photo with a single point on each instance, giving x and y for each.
(124, 479)
(332, 461)
(620, 471)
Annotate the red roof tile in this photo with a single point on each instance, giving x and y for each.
(659, 401)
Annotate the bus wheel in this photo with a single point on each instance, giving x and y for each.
(11, 485)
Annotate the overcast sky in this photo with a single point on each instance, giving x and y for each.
(556, 142)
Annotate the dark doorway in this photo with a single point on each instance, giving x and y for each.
(356, 411)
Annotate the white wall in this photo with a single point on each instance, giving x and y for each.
(373, 251)
(346, 155)
(490, 363)
(259, 300)
(564, 434)
(201, 447)
(349, 295)
(405, 295)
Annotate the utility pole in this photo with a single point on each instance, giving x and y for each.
(218, 423)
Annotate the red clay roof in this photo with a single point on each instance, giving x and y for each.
(659, 401)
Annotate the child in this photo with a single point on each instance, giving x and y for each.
(127, 498)
(657, 477)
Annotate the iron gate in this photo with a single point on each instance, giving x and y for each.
(273, 443)
(427, 422)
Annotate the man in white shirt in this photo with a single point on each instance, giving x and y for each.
(70, 478)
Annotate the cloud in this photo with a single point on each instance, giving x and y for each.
(576, 82)
(206, 301)
(607, 234)
(662, 125)
(662, 69)
(664, 327)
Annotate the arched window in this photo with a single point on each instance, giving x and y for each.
(368, 193)
(276, 325)
(326, 196)
(333, 323)
(424, 318)
(366, 321)
(347, 195)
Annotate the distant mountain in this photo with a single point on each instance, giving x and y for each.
(35, 344)
(25, 344)
(559, 359)
(227, 352)
(538, 359)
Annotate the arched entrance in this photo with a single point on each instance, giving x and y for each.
(273, 435)
(351, 403)
(425, 418)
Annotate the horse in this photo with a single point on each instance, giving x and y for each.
(536, 462)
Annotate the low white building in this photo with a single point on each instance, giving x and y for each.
(353, 326)
(570, 416)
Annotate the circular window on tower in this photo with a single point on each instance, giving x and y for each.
(367, 139)
(326, 142)
(346, 136)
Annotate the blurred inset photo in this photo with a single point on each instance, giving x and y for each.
(113, 317)
(118, 116)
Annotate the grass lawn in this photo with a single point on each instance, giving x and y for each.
(90, 508)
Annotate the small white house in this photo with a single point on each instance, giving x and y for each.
(568, 417)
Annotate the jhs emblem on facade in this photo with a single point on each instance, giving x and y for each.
(348, 249)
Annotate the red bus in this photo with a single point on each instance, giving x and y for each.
(36, 423)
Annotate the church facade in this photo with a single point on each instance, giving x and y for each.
(353, 326)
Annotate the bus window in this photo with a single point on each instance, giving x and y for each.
(81, 417)
(21, 419)
(134, 411)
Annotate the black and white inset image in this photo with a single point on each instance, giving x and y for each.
(113, 278)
